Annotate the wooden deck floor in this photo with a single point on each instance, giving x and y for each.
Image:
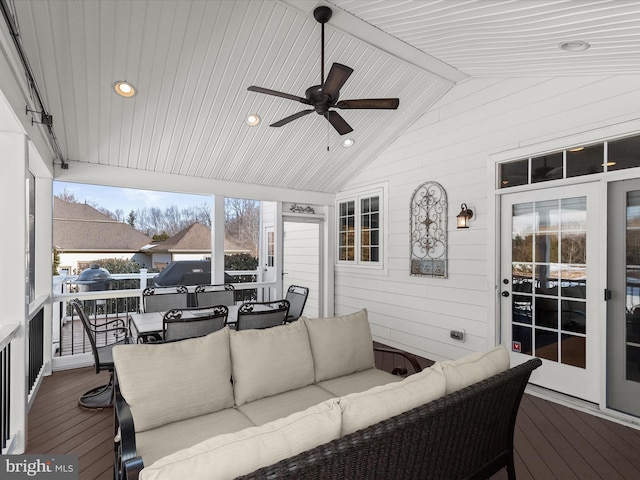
(552, 441)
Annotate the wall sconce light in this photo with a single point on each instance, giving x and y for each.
(464, 216)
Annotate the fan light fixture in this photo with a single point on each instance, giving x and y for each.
(574, 46)
(124, 88)
(348, 142)
(464, 216)
(252, 119)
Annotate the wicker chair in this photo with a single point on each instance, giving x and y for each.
(101, 397)
(262, 314)
(178, 324)
(297, 297)
(222, 294)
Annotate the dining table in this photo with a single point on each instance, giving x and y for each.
(149, 325)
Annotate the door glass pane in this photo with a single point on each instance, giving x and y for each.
(514, 173)
(624, 153)
(585, 161)
(632, 333)
(548, 167)
(549, 279)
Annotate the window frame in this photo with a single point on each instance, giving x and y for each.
(357, 196)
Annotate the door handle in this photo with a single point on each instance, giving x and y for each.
(505, 294)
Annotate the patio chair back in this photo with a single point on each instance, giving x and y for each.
(262, 314)
(101, 397)
(161, 299)
(178, 324)
(222, 294)
(297, 297)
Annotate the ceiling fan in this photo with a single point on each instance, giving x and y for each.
(325, 96)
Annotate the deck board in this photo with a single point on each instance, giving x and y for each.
(552, 441)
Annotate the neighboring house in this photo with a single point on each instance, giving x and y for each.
(82, 234)
(191, 243)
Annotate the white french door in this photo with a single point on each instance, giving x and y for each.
(623, 308)
(550, 288)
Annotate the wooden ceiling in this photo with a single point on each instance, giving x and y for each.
(192, 61)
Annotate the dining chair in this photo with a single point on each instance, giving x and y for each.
(221, 294)
(297, 297)
(178, 324)
(262, 314)
(101, 397)
(161, 299)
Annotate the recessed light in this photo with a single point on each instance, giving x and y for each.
(348, 142)
(124, 88)
(609, 164)
(576, 149)
(252, 119)
(574, 46)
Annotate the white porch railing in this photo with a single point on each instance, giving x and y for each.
(70, 347)
(8, 397)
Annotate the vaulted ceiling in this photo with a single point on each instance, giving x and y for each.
(192, 61)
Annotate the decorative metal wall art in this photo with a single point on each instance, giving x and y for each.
(428, 229)
(300, 209)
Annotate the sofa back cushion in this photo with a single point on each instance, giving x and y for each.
(340, 345)
(270, 361)
(474, 367)
(168, 382)
(359, 410)
(230, 455)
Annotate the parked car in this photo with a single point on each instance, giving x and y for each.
(188, 272)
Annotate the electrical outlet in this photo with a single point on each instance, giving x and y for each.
(457, 335)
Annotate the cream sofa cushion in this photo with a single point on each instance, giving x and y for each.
(230, 455)
(358, 382)
(268, 409)
(154, 444)
(359, 410)
(169, 382)
(269, 361)
(340, 345)
(474, 367)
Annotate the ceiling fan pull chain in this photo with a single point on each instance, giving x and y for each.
(328, 132)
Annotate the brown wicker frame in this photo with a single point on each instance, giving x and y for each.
(466, 435)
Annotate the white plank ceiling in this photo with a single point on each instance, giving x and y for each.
(192, 61)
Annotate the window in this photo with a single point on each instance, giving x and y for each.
(360, 228)
(573, 162)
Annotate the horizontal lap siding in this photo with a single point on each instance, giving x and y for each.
(451, 145)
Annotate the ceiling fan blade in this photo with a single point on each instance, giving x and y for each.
(291, 118)
(373, 103)
(339, 123)
(335, 80)
(279, 94)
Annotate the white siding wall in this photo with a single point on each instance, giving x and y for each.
(452, 144)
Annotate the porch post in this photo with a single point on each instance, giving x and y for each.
(217, 239)
(13, 281)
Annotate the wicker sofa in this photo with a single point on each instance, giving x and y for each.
(306, 399)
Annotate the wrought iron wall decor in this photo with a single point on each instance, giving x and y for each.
(300, 209)
(428, 229)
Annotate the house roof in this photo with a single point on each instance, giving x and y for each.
(196, 238)
(79, 227)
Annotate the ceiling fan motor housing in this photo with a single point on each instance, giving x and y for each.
(320, 100)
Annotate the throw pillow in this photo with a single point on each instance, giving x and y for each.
(359, 410)
(270, 361)
(474, 367)
(340, 345)
(164, 383)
